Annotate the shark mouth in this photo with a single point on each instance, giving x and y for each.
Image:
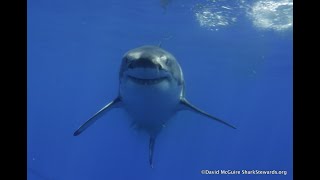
(147, 81)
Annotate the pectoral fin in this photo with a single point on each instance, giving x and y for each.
(113, 104)
(185, 105)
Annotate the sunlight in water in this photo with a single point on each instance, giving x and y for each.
(272, 14)
(214, 14)
(265, 14)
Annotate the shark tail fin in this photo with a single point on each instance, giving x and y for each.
(113, 104)
(185, 105)
(151, 148)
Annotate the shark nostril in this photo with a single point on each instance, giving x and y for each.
(131, 66)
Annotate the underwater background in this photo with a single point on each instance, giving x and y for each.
(236, 56)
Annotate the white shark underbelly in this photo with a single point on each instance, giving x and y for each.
(151, 104)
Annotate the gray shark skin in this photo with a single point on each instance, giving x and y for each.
(151, 91)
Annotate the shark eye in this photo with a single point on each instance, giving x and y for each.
(125, 59)
(167, 61)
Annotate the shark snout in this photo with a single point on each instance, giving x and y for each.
(144, 63)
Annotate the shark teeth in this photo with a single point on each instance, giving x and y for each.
(147, 81)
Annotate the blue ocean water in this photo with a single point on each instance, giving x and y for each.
(237, 69)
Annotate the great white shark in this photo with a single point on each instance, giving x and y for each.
(151, 90)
